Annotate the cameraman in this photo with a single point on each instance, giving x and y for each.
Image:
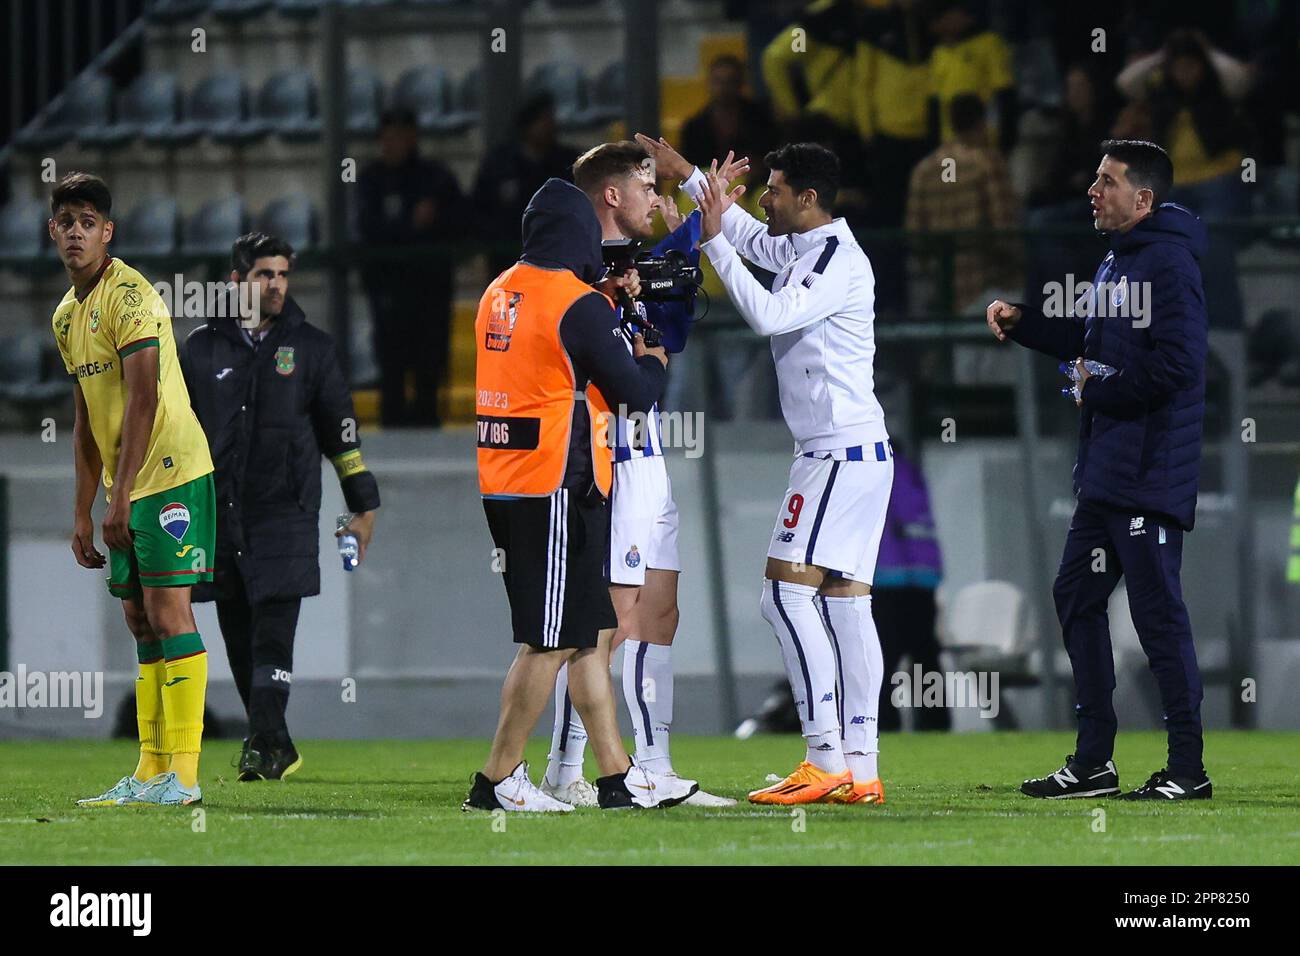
(619, 179)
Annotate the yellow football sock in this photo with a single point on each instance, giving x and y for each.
(183, 695)
(149, 710)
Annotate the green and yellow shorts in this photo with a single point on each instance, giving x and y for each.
(175, 540)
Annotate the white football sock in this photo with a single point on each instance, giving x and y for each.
(809, 659)
(648, 690)
(852, 628)
(568, 739)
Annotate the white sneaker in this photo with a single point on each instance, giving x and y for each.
(702, 799)
(516, 793)
(579, 793)
(651, 789)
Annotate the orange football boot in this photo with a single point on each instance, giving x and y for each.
(871, 791)
(808, 784)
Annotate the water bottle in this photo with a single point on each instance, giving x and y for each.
(348, 549)
(1098, 369)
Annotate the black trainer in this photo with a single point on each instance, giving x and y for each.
(1075, 780)
(265, 760)
(612, 793)
(482, 795)
(1163, 785)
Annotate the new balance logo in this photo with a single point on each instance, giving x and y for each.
(1170, 790)
(1135, 527)
(826, 697)
(1064, 776)
(859, 719)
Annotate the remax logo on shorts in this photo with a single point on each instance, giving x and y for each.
(175, 520)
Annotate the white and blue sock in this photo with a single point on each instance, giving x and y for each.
(568, 738)
(862, 670)
(648, 690)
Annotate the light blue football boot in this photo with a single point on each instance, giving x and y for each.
(164, 790)
(126, 787)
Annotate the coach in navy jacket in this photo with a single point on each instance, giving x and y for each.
(1138, 464)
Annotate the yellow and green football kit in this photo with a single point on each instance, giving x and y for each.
(173, 519)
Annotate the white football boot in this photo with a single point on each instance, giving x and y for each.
(579, 793)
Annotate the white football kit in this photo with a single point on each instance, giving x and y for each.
(643, 516)
(820, 314)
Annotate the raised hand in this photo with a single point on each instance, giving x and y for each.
(714, 201)
(669, 163)
(1002, 318)
(732, 168)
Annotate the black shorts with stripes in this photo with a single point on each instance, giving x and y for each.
(554, 552)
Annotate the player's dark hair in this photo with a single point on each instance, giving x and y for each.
(966, 112)
(252, 246)
(534, 108)
(1149, 166)
(398, 116)
(808, 166)
(599, 166)
(82, 188)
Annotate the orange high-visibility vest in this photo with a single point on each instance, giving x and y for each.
(525, 386)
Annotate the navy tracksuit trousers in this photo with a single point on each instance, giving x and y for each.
(1103, 545)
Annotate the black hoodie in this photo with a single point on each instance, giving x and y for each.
(560, 231)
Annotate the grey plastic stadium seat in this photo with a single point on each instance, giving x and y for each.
(86, 106)
(216, 107)
(171, 11)
(213, 229)
(467, 105)
(23, 232)
(565, 82)
(292, 218)
(286, 106)
(426, 92)
(149, 229)
(605, 102)
(31, 372)
(365, 99)
(148, 108)
(239, 9)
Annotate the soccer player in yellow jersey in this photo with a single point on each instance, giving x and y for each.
(135, 427)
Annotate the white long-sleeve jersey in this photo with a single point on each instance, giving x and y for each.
(820, 315)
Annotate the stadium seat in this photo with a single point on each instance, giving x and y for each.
(606, 99)
(23, 232)
(292, 218)
(467, 109)
(172, 11)
(365, 99)
(149, 229)
(217, 107)
(565, 82)
(426, 92)
(986, 617)
(147, 109)
(31, 372)
(239, 9)
(212, 230)
(286, 106)
(86, 106)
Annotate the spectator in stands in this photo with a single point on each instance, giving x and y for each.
(891, 107)
(512, 172)
(1186, 96)
(908, 571)
(969, 58)
(1086, 119)
(730, 120)
(406, 202)
(964, 185)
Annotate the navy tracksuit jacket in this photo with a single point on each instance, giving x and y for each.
(1136, 473)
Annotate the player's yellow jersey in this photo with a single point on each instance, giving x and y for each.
(122, 314)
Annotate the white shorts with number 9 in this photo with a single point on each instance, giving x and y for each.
(833, 513)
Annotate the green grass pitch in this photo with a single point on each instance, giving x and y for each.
(951, 800)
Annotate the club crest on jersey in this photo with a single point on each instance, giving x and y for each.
(501, 320)
(175, 520)
(132, 299)
(633, 557)
(284, 360)
(94, 321)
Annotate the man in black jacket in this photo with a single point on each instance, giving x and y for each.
(272, 399)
